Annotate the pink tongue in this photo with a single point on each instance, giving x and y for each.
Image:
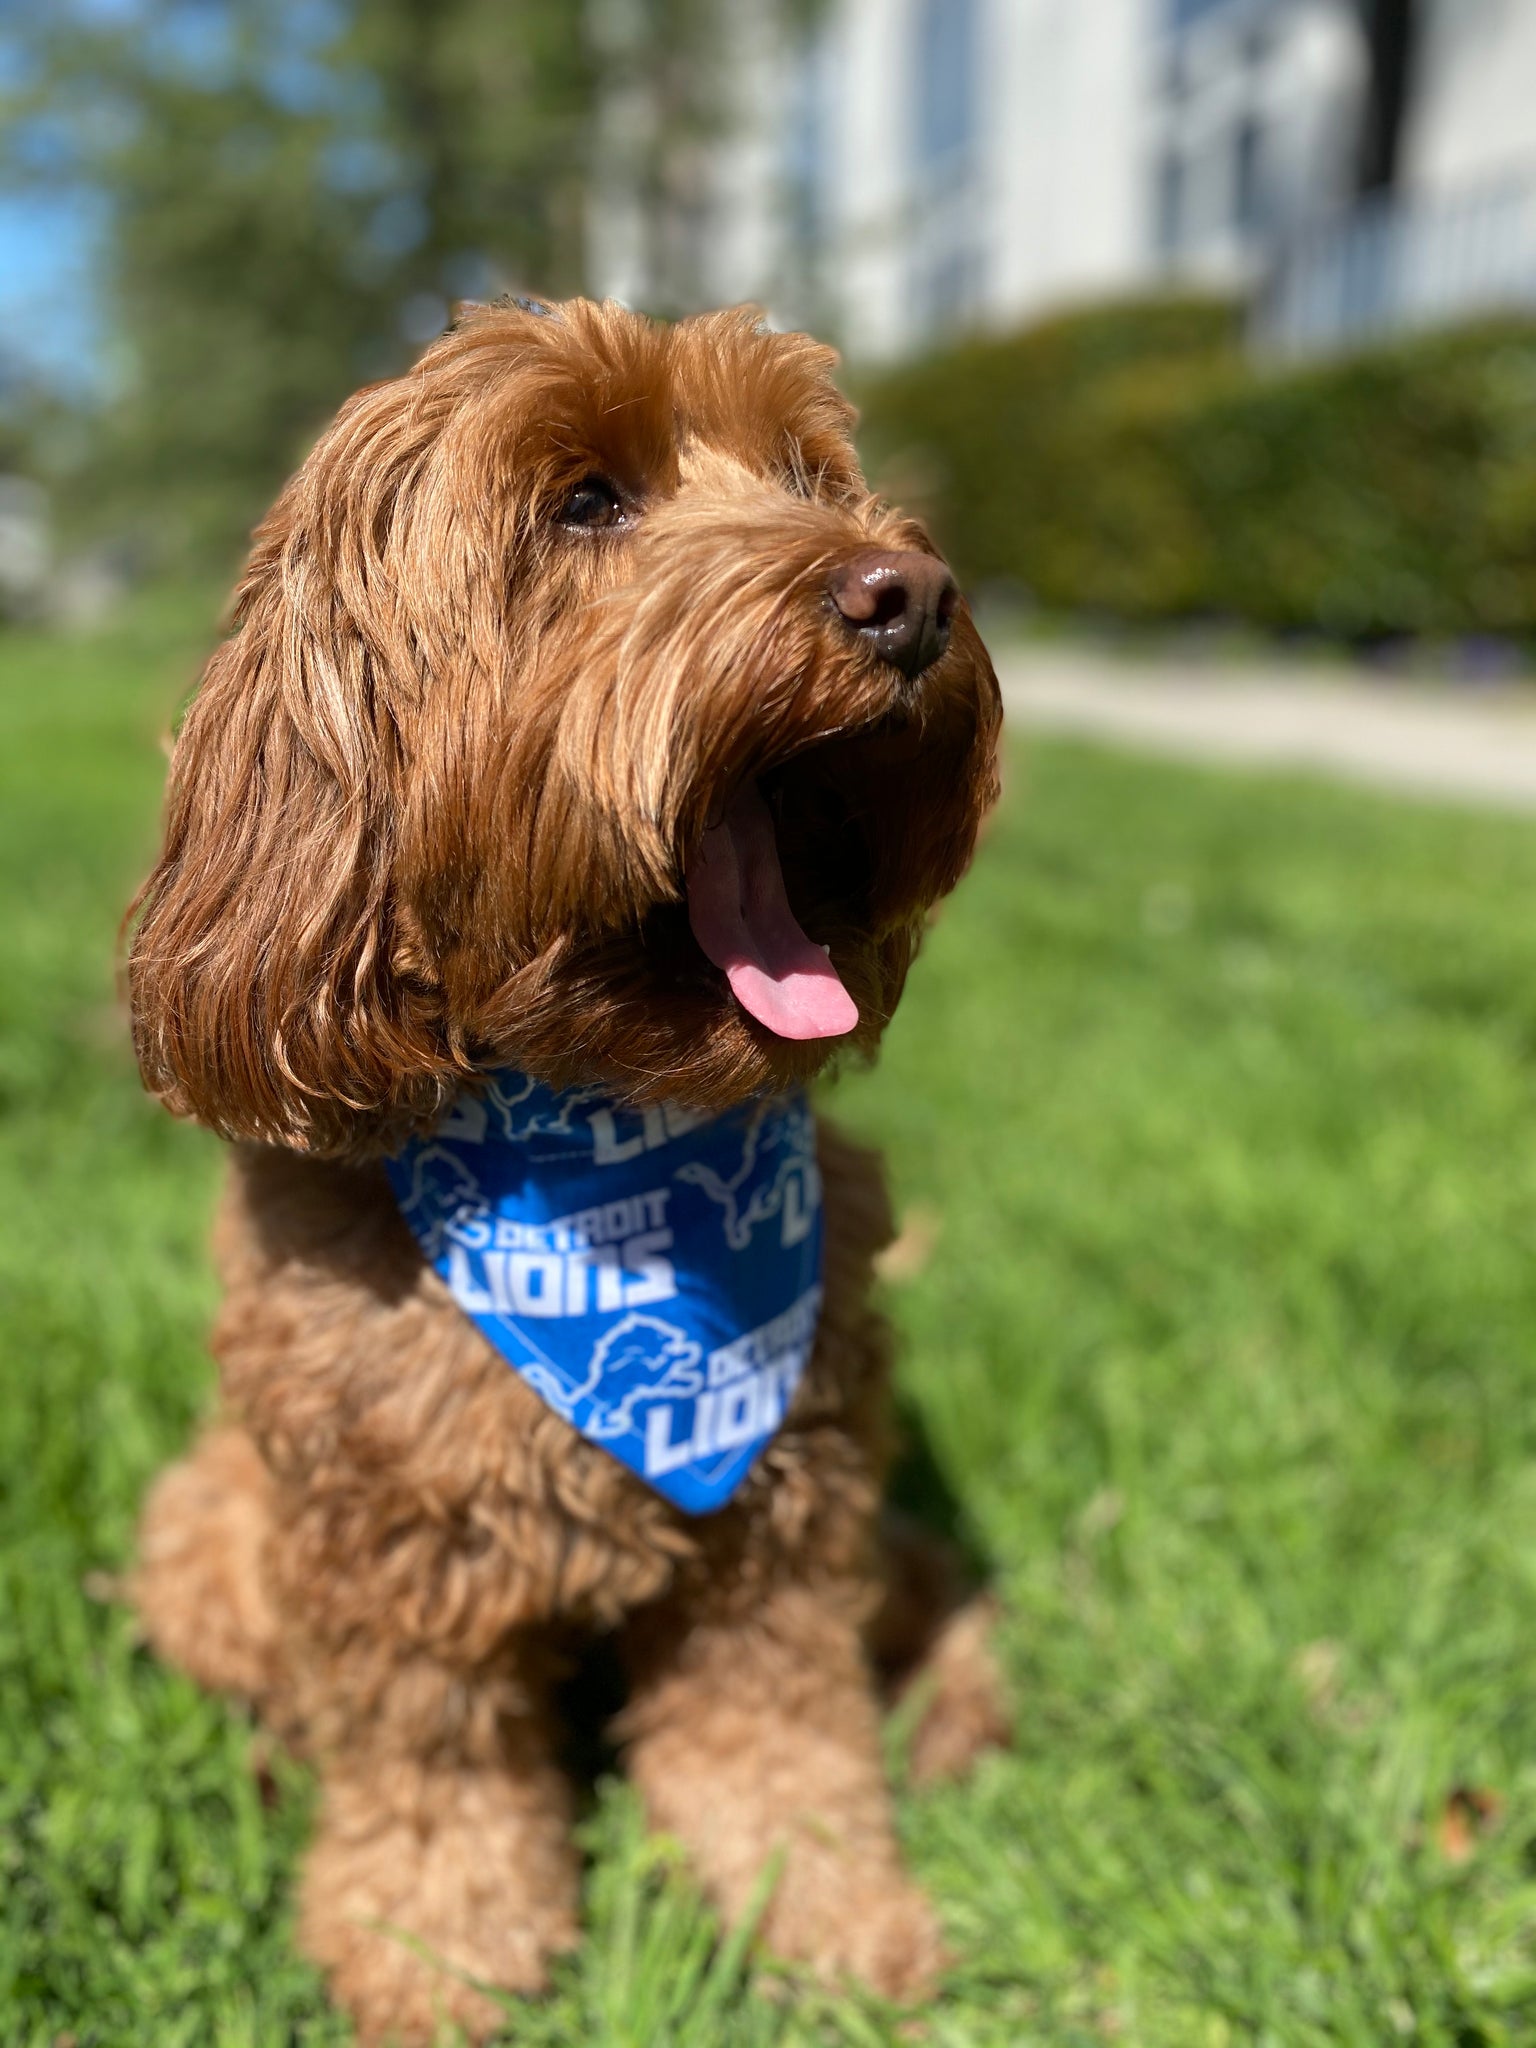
(742, 919)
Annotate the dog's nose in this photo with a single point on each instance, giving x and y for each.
(900, 602)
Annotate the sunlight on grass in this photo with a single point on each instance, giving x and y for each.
(1221, 1093)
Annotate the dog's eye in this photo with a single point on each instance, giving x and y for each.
(594, 502)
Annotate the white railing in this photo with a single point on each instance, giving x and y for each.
(1403, 262)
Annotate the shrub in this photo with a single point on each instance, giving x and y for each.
(1131, 459)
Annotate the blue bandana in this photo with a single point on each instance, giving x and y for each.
(654, 1275)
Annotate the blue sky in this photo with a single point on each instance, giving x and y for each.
(48, 241)
(48, 312)
(50, 315)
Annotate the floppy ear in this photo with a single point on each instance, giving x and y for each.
(276, 992)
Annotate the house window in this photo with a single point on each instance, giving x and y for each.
(1183, 13)
(1248, 177)
(806, 147)
(946, 81)
(1170, 202)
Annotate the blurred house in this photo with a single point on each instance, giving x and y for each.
(26, 554)
(1453, 232)
(37, 581)
(1254, 113)
(892, 171)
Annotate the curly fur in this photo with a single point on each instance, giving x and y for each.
(429, 815)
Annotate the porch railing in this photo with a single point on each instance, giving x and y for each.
(1398, 263)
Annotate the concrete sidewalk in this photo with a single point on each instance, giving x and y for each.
(1434, 740)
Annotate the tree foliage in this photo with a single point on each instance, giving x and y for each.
(298, 190)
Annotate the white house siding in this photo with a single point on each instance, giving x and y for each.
(745, 226)
(826, 203)
(864, 273)
(618, 228)
(1043, 198)
(1474, 118)
(1067, 139)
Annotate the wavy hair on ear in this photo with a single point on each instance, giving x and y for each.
(320, 873)
(278, 991)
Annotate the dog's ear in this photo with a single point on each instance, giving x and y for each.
(275, 994)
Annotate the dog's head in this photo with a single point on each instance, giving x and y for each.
(582, 713)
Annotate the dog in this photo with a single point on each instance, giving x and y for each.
(587, 751)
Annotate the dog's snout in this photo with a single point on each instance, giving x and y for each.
(901, 602)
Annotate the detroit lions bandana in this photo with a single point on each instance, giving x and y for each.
(654, 1275)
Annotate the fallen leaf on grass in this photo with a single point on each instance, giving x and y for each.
(912, 1247)
(1470, 1811)
(1102, 1511)
(1317, 1667)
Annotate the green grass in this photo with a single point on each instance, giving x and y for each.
(1223, 1091)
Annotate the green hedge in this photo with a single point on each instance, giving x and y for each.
(1131, 459)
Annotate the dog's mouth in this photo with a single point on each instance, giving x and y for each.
(739, 911)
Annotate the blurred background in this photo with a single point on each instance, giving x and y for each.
(1160, 308)
(1204, 332)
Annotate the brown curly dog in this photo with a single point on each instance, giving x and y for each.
(540, 633)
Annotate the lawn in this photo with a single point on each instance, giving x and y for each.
(1221, 1094)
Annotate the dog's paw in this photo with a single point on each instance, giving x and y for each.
(397, 1999)
(198, 1584)
(404, 1973)
(962, 1703)
(416, 1918)
(883, 1935)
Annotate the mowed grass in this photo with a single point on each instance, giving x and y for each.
(1220, 1095)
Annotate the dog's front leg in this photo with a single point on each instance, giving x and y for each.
(443, 1858)
(755, 1735)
